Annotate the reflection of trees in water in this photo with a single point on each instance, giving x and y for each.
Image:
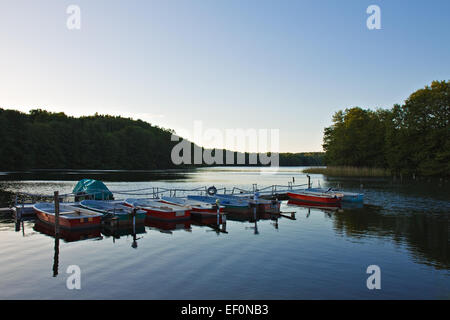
(426, 234)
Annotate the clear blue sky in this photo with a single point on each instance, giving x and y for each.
(285, 65)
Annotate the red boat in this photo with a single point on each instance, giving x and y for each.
(316, 197)
(70, 217)
(156, 209)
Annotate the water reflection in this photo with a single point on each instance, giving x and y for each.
(68, 235)
(116, 231)
(168, 226)
(56, 257)
(425, 234)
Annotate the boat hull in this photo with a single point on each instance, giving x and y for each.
(315, 198)
(178, 213)
(167, 216)
(78, 223)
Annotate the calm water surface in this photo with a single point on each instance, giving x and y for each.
(403, 228)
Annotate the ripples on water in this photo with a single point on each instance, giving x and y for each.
(323, 254)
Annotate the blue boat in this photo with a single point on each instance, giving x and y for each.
(113, 209)
(230, 204)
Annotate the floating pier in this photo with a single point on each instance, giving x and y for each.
(22, 209)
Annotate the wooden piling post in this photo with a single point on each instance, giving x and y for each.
(218, 211)
(309, 181)
(56, 213)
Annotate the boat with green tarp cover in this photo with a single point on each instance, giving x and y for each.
(92, 189)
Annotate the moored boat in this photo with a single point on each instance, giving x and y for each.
(199, 208)
(157, 209)
(70, 216)
(114, 209)
(347, 196)
(316, 197)
(230, 204)
(261, 205)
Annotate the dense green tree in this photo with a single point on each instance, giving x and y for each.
(418, 138)
(356, 138)
(413, 138)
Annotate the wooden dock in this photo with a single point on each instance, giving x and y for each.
(279, 192)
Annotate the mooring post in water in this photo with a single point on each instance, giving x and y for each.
(56, 213)
(309, 181)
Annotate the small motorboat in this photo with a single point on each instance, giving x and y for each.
(317, 197)
(114, 209)
(347, 196)
(156, 209)
(70, 216)
(197, 206)
(231, 204)
(261, 205)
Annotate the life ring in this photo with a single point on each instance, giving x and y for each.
(211, 191)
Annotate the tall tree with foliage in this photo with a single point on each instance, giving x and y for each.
(413, 138)
(418, 135)
(356, 138)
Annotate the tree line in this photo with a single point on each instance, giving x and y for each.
(45, 140)
(408, 139)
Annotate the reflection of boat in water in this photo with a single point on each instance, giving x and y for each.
(308, 205)
(68, 235)
(252, 216)
(168, 226)
(118, 231)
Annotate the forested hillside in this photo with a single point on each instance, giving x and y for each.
(44, 140)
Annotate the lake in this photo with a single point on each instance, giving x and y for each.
(403, 228)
